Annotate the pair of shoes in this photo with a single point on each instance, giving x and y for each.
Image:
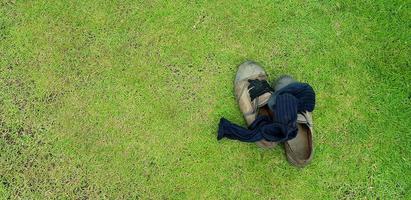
(252, 102)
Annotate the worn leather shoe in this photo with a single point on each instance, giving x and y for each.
(299, 150)
(250, 70)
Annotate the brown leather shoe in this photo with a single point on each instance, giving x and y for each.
(299, 150)
(250, 71)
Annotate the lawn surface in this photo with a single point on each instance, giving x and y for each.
(122, 100)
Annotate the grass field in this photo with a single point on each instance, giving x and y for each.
(122, 100)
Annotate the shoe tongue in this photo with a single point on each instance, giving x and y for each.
(263, 99)
(304, 118)
(301, 119)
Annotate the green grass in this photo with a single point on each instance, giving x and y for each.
(122, 100)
